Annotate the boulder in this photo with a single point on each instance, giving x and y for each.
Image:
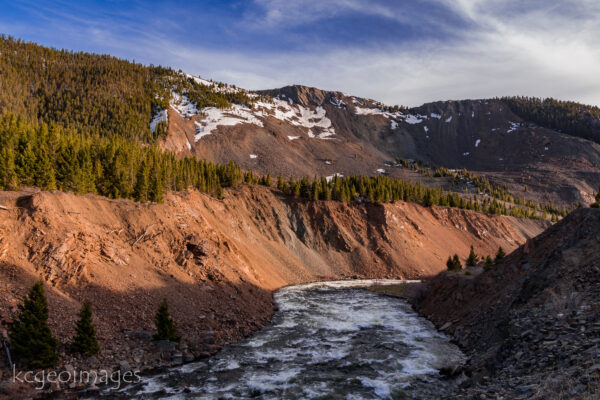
(124, 366)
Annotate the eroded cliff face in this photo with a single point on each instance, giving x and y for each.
(216, 261)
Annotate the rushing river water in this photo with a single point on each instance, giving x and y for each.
(332, 340)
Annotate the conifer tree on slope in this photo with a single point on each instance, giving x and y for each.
(165, 328)
(457, 263)
(472, 259)
(453, 263)
(85, 340)
(31, 340)
(450, 264)
(500, 254)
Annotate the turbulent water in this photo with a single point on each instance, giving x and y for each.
(331, 340)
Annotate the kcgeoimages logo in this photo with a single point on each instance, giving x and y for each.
(112, 379)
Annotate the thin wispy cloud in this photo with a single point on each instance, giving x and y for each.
(282, 12)
(398, 52)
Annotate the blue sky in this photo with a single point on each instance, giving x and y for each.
(399, 52)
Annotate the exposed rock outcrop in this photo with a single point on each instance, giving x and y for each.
(530, 323)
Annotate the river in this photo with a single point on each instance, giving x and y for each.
(329, 340)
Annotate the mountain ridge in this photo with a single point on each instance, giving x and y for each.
(311, 131)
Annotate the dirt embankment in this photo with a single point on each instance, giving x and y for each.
(530, 324)
(216, 262)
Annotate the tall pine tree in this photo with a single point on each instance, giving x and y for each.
(165, 328)
(85, 340)
(500, 254)
(472, 259)
(31, 341)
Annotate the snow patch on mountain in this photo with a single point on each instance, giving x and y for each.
(368, 111)
(216, 86)
(330, 177)
(159, 117)
(513, 126)
(336, 102)
(214, 117)
(295, 114)
(314, 120)
(477, 142)
(413, 119)
(199, 80)
(183, 105)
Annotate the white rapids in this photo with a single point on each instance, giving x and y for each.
(329, 340)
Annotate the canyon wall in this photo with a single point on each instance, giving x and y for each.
(216, 261)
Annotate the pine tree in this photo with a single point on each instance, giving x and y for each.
(155, 189)
(316, 186)
(449, 264)
(219, 192)
(31, 340)
(85, 340)
(141, 183)
(281, 184)
(453, 263)
(428, 201)
(8, 176)
(500, 254)
(165, 328)
(472, 259)
(457, 265)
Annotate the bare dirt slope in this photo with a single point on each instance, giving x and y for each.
(531, 322)
(215, 261)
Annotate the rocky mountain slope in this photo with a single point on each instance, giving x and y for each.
(215, 261)
(307, 131)
(530, 323)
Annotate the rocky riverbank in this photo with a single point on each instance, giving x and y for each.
(530, 324)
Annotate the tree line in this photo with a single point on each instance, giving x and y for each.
(527, 208)
(53, 158)
(569, 117)
(454, 264)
